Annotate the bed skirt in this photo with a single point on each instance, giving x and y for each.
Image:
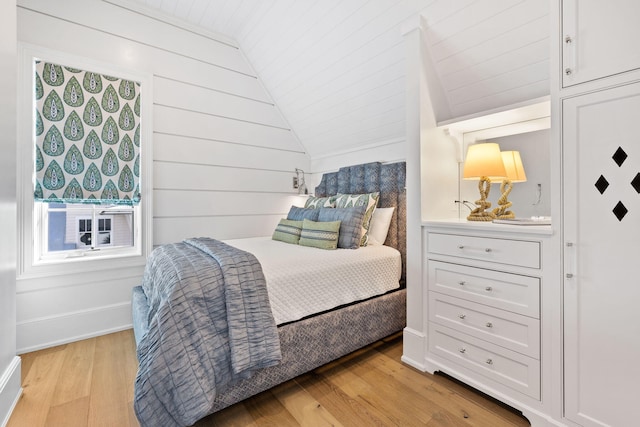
(309, 343)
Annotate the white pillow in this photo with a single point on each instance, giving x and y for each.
(379, 227)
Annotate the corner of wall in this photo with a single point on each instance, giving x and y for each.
(9, 363)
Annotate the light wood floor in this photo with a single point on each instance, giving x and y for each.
(90, 383)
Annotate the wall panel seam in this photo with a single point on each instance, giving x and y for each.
(176, 162)
(74, 313)
(156, 104)
(166, 22)
(213, 89)
(199, 190)
(220, 215)
(227, 142)
(132, 40)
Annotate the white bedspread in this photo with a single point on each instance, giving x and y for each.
(302, 281)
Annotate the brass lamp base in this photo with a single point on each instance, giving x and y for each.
(479, 213)
(502, 212)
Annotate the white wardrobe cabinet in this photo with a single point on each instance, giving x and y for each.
(601, 183)
(599, 38)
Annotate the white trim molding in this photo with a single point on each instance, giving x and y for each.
(10, 390)
(414, 343)
(50, 331)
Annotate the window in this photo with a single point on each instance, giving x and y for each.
(70, 228)
(84, 164)
(69, 231)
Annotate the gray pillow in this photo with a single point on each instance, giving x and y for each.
(370, 200)
(350, 224)
(298, 214)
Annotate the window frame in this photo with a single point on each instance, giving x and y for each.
(92, 212)
(31, 222)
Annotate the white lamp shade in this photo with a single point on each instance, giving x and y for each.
(484, 160)
(513, 166)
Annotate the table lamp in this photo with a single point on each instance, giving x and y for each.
(515, 173)
(483, 162)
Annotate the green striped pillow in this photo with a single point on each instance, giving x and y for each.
(323, 235)
(288, 231)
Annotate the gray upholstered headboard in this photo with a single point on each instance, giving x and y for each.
(390, 180)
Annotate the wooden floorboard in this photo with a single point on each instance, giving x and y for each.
(90, 383)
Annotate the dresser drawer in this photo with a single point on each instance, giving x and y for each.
(513, 331)
(514, 370)
(520, 253)
(506, 291)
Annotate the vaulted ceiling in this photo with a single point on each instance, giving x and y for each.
(336, 68)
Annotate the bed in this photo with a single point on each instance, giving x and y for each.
(308, 337)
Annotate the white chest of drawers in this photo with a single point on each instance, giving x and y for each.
(483, 285)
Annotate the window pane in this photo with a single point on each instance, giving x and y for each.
(70, 227)
(115, 227)
(64, 231)
(104, 238)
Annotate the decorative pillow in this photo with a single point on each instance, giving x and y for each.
(323, 235)
(320, 202)
(298, 214)
(288, 231)
(370, 200)
(350, 224)
(379, 226)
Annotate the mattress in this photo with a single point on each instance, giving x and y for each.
(303, 281)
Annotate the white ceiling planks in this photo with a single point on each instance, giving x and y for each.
(491, 53)
(336, 68)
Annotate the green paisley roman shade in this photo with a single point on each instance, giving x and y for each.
(87, 129)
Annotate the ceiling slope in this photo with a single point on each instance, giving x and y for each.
(336, 68)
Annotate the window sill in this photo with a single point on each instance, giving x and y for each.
(82, 264)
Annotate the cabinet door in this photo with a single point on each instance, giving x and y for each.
(600, 38)
(601, 192)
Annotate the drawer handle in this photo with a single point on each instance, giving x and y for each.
(488, 289)
(461, 247)
(463, 350)
(489, 362)
(462, 316)
(489, 325)
(462, 283)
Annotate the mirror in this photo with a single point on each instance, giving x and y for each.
(525, 129)
(532, 197)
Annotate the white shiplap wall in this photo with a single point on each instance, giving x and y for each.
(488, 53)
(223, 162)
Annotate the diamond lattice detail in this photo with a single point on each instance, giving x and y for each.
(636, 183)
(620, 211)
(602, 184)
(619, 156)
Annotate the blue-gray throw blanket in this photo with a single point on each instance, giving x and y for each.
(210, 324)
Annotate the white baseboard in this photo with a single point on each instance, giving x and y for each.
(413, 345)
(50, 331)
(10, 390)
